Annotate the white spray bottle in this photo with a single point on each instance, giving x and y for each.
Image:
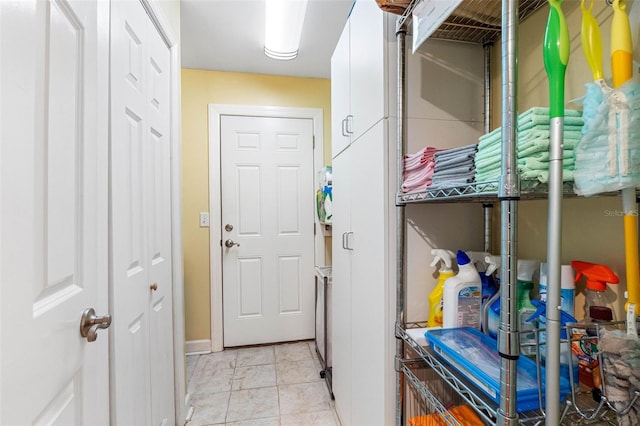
(462, 298)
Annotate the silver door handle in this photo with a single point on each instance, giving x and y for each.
(90, 323)
(344, 240)
(229, 243)
(344, 127)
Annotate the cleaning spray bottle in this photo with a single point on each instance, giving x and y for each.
(567, 287)
(528, 340)
(568, 361)
(462, 298)
(489, 287)
(597, 276)
(491, 309)
(435, 298)
(597, 310)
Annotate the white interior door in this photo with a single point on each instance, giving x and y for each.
(53, 223)
(268, 209)
(142, 345)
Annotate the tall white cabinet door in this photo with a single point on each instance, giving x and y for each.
(340, 103)
(53, 222)
(142, 346)
(369, 316)
(367, 66)
(341, 287)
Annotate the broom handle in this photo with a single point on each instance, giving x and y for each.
(622, 71)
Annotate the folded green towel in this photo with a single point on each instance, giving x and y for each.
(544, 111)
(535, 164)
(543, 175)
(540, 145)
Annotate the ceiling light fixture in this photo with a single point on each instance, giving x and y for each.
(283, 28)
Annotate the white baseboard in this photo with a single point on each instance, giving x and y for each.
(195, 347)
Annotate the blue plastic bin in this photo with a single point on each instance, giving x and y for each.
(475, 356)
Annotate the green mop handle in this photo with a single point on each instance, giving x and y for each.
(556, 56)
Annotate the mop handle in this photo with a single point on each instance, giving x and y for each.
(622, 71)
(556, 56)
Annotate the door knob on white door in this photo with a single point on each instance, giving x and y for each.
(229, 243)
(90, 323)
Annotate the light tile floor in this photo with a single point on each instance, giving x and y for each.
(277, 385)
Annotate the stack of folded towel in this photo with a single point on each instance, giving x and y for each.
(532, 147)
(454, 167)
(418, 169)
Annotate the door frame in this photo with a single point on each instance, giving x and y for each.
(216, 111)
(181, 397)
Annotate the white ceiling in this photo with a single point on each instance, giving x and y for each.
(228, 35)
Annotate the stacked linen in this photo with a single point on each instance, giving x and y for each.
(418, 169)
(454, 167)
(532, 145)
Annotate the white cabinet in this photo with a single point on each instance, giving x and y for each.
(362, 346)
(358, 74)
(340, 93)
(341, 286)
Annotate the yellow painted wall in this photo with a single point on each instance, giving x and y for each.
(592, 231)
(199, 89)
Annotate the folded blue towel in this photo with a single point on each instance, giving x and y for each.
(455, 170)
(452, 164)
(458, 150)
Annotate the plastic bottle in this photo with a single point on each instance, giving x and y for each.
(597, 276)
(528, 340)
(462, 298)
(567, 287)
(596, 310)
(567, 359)
(491, 309)
(489, 287)
(435, 298)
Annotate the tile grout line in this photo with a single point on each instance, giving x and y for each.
(235, 366)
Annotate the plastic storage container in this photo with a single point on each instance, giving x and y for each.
(475, 356)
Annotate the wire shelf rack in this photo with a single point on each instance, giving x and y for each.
(429, 378)
(475, 21)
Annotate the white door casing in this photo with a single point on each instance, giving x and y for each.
(268, 199)
(53, 228)
(142, 389)
(216, 112)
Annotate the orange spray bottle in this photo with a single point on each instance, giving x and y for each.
(597, 310)
(597, 276)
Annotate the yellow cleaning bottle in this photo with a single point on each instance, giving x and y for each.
(435, 298)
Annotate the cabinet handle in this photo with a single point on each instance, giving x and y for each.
(344, 240)
(344, 127)
(349, 122)
(349, 246)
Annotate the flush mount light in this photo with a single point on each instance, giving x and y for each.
(283, 27)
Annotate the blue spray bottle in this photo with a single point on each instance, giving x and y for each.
(489, 287)
(491, 309)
